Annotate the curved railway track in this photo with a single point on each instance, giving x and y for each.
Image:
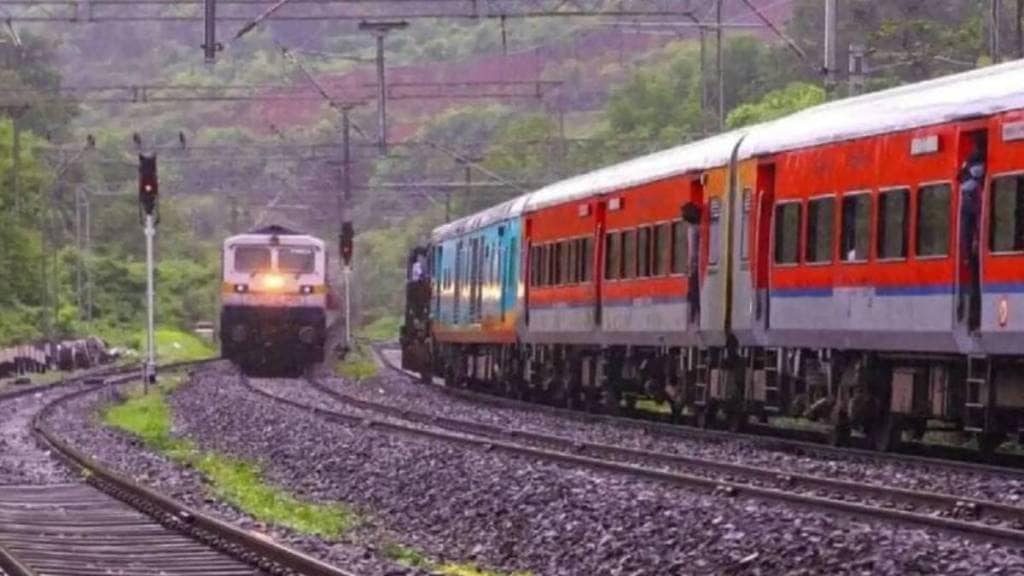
(981, 520)
(109, 524)
(762, 435)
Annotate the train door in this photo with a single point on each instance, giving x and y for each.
(692, 218)
(972, 156)
(765, 207)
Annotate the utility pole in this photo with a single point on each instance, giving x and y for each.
(831, 43)
(380, 30)
(719, 36)
(1020, 28)
(210, 44)
(994, 22)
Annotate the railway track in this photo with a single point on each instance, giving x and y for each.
(762, 435)
(976, 519)
(109, 524)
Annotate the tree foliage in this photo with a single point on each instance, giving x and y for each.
(776, 104)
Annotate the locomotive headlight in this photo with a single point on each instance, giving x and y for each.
(241, 288)
(272, 282)
(306, 290)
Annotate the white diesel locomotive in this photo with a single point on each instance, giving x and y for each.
(274, 299)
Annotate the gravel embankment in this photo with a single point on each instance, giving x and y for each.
(520, 514)
(398, 390)
(76, 422)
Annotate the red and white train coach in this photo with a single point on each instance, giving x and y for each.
(862, 261)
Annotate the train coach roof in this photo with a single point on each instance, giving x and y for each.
(707, 153)
(701, 155)
(981, 92)
(259, 238)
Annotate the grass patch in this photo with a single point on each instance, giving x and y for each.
(416, 559)
(178, 346)
(383, 329)
(357, 365)
(233, 480)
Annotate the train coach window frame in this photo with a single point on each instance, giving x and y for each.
(680, 259)
(663, 249)
(921, 190)
(643, 252)
(613, 256)
(628, 254)
(588, 259)
(882, 219)
(307, 264)
(855, 250)
(786, 237)
(813, 240)
(1017, 232)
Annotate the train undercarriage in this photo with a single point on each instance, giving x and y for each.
(883, 398)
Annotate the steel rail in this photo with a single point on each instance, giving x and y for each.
(252, 548)
(867, 501)
(762, 435)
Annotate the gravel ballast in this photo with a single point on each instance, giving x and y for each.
(398, 390)
(518, 514)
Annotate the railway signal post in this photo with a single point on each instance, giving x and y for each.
(345, 242)
(148, 196)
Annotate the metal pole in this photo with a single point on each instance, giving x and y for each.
(347, 275)
(15, 161)
(1020, 28)
(149, 373)
(382, 95)
(719, 35)
(448, 206)
(831, 42)
(210, 42)
(346, 143)
(995, 17)
(88, 252)
(703, 81)
(79, 294)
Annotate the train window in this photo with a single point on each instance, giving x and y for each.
(251, 258)
(588, 259)
(893, 207)
(856, 235)
(643, 252)
(680, 247)
(296, 260)
(629, 254)
(612, 255)
(662, 249)
(933, 205)
(787, 233)
(821, 217)
(1007, 232)
(569, 262)
(556, 264)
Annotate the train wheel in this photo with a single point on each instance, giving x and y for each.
(887, 433)
(706, 417)
(989, 442)
(736, 421)
(839, 435)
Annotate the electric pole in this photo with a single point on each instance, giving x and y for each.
(1020, 28)
(858, 68)
(994, 22)
(719, 68)
(380, 30)
(831, 42)
(210, 44)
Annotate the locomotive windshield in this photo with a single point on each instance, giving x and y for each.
(296, 260)
(252, 259)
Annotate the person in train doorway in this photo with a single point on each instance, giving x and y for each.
(417, 273)
(972, 183)
(691, 216)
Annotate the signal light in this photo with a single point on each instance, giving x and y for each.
(345, 242)
(149, 187)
